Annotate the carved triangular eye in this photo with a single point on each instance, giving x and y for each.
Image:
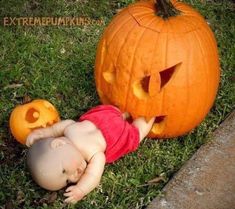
(110, 75)
(32, 115)
(167, 74)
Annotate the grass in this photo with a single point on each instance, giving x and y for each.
(56, 63)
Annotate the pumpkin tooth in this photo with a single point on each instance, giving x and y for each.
(51, 122)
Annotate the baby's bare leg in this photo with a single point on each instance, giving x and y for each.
(143, 126)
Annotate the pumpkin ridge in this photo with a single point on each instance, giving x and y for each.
(118, 54)
(155, 47)
(98, 73)
(117, 30)
(206, 71)
(181, 120)
(202, 108)
(145, 29)
(131, 66)
(102, 56)
(123, 41)
(108, 54)
(212, 44)
(162, 104)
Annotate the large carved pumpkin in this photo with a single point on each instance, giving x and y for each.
(166, 67)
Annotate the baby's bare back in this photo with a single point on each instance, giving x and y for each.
(86, 137)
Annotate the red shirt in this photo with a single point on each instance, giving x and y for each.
(121, 137)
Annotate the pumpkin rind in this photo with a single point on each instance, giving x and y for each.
(135, 50)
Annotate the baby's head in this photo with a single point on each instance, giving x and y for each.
(55, 162)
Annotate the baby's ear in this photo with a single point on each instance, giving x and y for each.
(57, 143)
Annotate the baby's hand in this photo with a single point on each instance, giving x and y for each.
(74, 194)
(33, 136)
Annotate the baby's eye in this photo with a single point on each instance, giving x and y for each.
(64, 171)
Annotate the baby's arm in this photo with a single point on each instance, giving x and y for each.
(55, 130)
(143, 126)
(89, 180)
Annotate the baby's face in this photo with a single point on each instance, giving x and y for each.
(73, 165)
(63, 164)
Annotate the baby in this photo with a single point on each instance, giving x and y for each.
(76, 152)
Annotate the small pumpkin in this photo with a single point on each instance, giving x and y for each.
(159, 58)
(27, 117)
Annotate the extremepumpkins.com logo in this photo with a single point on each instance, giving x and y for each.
(50, 21)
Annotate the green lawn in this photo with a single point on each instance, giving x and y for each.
(57, 63)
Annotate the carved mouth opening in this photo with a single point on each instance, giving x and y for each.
(32, 115)
(45, 125)
(159, 124)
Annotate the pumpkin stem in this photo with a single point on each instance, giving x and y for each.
(165, 9)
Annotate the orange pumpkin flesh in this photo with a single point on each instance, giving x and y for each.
(36, 114)
(167, 68)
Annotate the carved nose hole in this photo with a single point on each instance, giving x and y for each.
(32, 115)
(159, 124)
(167, 74)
